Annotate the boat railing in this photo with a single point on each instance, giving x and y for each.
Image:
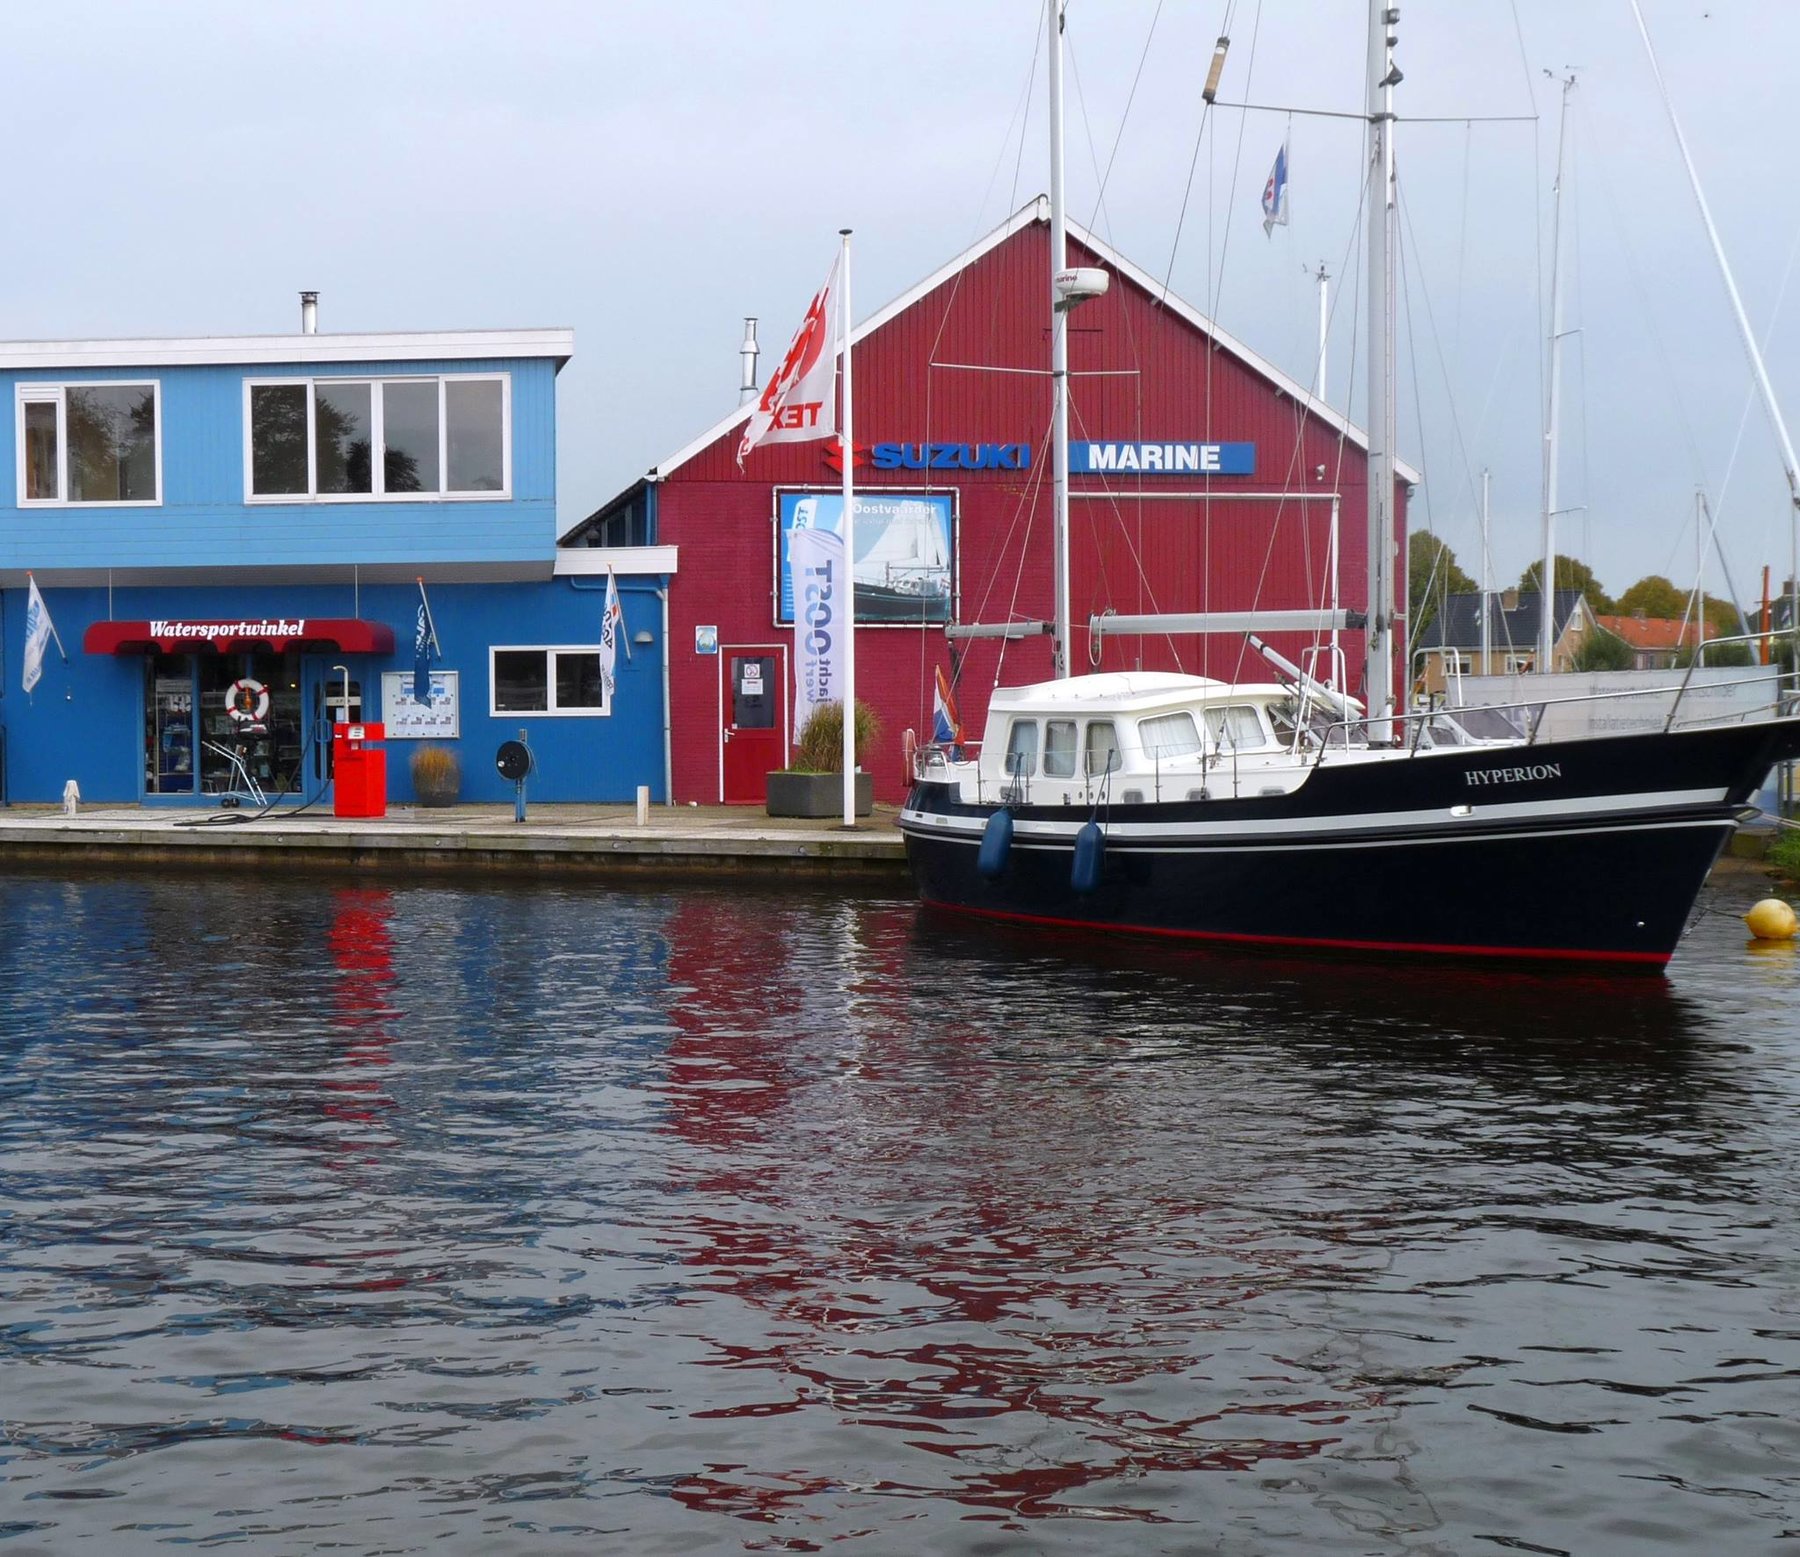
(1528, 715)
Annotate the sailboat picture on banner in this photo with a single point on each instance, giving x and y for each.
(1288, 812)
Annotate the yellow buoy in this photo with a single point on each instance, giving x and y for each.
(1772, 920)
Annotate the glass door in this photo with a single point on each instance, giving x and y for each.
(169, 724)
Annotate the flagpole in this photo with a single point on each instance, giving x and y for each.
(623, 637)
(847, 442)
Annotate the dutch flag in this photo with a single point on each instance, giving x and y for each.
(946, 723)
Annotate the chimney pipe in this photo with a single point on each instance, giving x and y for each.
(749, 351)
(309, 313)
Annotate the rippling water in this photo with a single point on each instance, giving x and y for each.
(494, 1219)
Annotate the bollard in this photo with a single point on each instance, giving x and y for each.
(71, 798)
(643, 805)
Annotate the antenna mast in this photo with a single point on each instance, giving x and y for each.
(1547, 584)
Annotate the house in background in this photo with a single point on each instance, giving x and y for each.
(1655, 641)
(1450, 645)
(244, 522)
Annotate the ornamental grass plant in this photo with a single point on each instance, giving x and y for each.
(820, 748)
(436, 775)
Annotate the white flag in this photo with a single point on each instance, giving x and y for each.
(612, 625)
(800, 401)
(38, 629)
(821, 584)
(1275, 194)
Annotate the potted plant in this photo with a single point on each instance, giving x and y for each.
(436, 776)
(814, 786)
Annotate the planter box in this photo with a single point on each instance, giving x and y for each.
(817, 794)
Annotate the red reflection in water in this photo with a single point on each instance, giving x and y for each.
(361, 944)
(1064, 1323)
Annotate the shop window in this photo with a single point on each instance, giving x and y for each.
(346, 439)
(89, 443)
(556, 681)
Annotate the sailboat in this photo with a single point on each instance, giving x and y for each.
(1285, 813)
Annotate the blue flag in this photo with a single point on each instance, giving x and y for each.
(424, 642)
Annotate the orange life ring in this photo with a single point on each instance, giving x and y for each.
(247, 701)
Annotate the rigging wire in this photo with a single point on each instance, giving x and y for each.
(1193, 164)
(1125, 115)
(1020, 119)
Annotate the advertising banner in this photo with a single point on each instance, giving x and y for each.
(903, 550)
(818, 577)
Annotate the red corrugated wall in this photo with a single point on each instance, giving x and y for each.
(1140, 373)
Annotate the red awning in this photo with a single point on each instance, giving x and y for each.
(345, 635)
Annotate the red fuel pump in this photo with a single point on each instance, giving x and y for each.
(359, 770)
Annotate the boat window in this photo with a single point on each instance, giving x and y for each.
(1021, 748)
(1059, 748)
(1236, 726)
(1102, 747)
(1169, 735)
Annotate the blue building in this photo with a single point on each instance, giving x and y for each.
(252, 522)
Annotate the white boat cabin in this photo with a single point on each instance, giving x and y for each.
(1136, 736)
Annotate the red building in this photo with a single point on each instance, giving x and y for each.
(1225, 484)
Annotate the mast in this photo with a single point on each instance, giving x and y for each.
(847, 444)
(1378, 664)
(1324, 332)
(1059, 349)
(1487, 585)
(1547, 584)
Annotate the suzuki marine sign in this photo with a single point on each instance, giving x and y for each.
(1085, 459)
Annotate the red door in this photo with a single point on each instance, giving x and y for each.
(753, 740)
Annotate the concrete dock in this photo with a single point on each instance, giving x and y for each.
(570, 839)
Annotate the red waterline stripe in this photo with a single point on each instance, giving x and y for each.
(1652, 959)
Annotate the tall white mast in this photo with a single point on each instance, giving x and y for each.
(847, 437)
(1487, 585)
(1059, 347)
(1378, 664)
(1324, 332)
(1547, 584)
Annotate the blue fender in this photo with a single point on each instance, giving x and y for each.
(996, 844)
(1090, 858)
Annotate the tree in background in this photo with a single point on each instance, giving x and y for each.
(1570, 574)
(1604, 651)
(1431, 574)
(1654, 596)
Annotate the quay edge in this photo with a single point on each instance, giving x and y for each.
(684, 843)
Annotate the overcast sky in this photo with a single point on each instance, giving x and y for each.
(650, 173)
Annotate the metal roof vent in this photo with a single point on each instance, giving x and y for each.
(309, 313)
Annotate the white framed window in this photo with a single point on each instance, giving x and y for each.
(1022, 748)
(90, 444)
(1520, 664)
(1169, 735)
(556, 680)
(405, 438)
(1456, 664)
